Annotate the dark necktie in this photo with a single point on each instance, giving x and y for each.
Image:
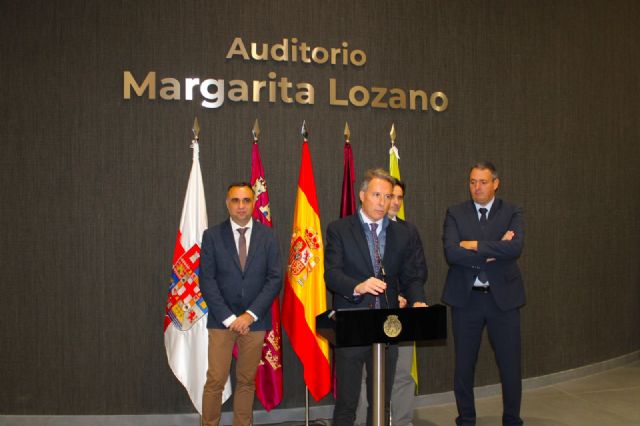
(242, 247)
(482, 275)
(376, 257)
(483, 217)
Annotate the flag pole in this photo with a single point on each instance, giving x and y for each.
(306, 406)
(196, 129)
(255, 131)
(392, 134)
(305, 134)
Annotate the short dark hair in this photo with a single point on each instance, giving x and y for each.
(371, 174)
(240, 185)
(401, 184)
(486, 165)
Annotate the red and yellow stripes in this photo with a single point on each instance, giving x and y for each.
(305, 291)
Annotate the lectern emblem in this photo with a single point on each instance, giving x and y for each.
(392, 326)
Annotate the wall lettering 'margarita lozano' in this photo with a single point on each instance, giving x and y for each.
(213, 92)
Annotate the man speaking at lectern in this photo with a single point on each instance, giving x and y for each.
(483, 239)
(367, 264)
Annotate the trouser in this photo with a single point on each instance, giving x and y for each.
(349, 362)
(504, 334)
(221, 344)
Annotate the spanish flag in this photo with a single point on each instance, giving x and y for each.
(305, 292)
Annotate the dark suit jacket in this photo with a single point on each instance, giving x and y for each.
(226, 289)
(462, 223)
(347, 263)
(417, 250)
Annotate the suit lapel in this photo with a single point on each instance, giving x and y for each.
(361, 241)
(492, 217)
(495, 209)
(389, 243)
(472, 216)
(257, 235)
(230, 243)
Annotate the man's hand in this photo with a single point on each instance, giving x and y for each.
(402, 302)
(508, 236)
(419, 305)
(371, 285)
(241, 324)
(469, 245)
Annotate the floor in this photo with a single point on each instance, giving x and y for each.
(607, 398)
(603, 399)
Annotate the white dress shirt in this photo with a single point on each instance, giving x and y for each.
(487, 206)
(236, 237)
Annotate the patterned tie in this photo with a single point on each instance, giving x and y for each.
(242, 247)
(377, 262)
(482, 275)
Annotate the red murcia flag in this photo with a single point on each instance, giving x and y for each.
(269, 374)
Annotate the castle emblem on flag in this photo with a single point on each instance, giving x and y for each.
(302, 260)
(272, 357)
(185, 304)
(259, 188)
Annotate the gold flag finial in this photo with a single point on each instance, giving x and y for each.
(347, 132)
(304, 131)
(196, 129)
(392, 133)
(256, 131)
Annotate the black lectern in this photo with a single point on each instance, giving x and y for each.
(361, 327)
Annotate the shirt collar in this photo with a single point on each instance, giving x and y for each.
(486, 206)
(235, 226)
(382, 223)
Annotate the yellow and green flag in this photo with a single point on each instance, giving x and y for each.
(394, 170)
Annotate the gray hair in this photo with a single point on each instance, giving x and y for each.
(486, 165)
(371, 174)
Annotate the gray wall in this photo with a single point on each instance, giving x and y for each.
(92, 185)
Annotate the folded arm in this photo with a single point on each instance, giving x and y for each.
(454, 252)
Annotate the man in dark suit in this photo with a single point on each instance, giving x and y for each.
(403, 393)
(241, 274)
(367, 265)
(483, 239)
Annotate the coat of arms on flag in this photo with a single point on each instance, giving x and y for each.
(301, 256)
(185, 304)
(185, 323)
